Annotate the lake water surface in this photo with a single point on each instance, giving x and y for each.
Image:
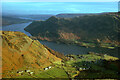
(17, 27)
(74, 49)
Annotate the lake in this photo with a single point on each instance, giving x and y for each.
(17, 27)
(63, 48)
(74, 49)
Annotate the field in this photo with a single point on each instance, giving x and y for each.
(91, 65)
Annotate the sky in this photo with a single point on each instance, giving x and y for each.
(60, 0)
(30, 8)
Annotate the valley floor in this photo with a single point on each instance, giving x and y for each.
(92, 65)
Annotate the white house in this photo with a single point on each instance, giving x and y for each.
(20, 72)
(31, 73)
(27, 71)
(80, 68)
(83, 68)
(49, 67)
(45, 68)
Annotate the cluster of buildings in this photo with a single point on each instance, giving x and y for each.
(47, 68)
(31, 72)
(27, 71)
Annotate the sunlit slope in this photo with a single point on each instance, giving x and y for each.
(18, 51)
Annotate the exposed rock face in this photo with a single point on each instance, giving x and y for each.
(18, 50)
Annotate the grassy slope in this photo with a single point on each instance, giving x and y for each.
(20, 51)
(101, 66)
(19, 55)
(97, 66)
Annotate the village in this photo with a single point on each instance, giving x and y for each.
(30, 72)
(75, 66)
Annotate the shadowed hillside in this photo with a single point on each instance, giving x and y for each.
(104, 28)
(21, 52)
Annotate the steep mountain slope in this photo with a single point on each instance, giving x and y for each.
(89, 28)
(20, 51)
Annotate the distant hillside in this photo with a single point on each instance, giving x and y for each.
(89, 28)
(21, 52)
(71, 15)
(35, 17)
(10, 20)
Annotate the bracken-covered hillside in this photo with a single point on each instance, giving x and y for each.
(20, 51)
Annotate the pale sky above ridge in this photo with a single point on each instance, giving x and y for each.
(60, 0)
